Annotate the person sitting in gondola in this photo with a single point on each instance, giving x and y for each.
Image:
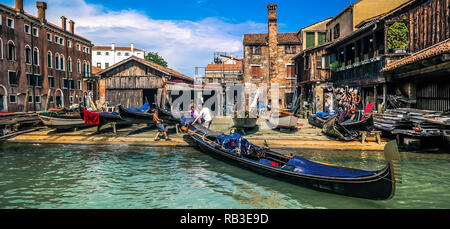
(159, 126)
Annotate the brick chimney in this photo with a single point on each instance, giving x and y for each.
(273, 40)
(72, 26)
(41, 6)
(19, 6)
(64, 23)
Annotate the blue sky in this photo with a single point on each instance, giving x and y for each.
(184, 32)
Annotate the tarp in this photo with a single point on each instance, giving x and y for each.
(232, 142)
(305, 166)
(186, 121)
(92, 118)
(323, 115)
(144, 108)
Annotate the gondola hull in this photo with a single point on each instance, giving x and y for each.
(279, 120)
(316, 121)
(168, 117)
(246, 123)
(364, 125)
(380, 186)
(62, 123)
(135, 117)
(333, 129)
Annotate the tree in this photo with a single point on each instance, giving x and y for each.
(156, 58)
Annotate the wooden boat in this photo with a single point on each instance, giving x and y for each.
(245, 120)
(376, 185)
(316, 121)
(283, 120)
(365, 125)
(62, 121)
(333, 129)
(167, 116)
(135, 116)
(108, 117)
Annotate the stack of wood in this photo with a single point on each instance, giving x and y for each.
(15, 122)
(413, 122)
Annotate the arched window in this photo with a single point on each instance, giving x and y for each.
(36, 56)
(79, 66)
(27, 54)
(11, 51)
(57, 61)
(69, 64)
(1, 48)
(62, 63)
(49, 59)
(84, 68)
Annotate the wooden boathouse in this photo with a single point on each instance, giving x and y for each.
(134, 80)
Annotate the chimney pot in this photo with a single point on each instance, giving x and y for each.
(132, 47)
(113, 46)
(41, 6)
(19, 5)
(64, 23)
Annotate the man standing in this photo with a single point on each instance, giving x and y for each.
(205, 114)
(159, 126)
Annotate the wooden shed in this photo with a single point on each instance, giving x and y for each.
(134, 80)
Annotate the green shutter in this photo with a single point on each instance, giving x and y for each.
(322, 38)
(310, 40)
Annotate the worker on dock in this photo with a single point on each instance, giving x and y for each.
(159, 126)
(205, 114)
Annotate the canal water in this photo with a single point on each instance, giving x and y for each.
(98, 177)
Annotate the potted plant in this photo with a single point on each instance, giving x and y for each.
(334, 66)
(398, 37)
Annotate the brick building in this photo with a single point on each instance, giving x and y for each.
(268, 59)
(42, 65)
(226, 69)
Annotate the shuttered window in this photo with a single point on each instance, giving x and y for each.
(310, 40)
(322, 38)
(290, 71)
(256, 72)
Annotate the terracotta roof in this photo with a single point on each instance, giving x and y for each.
(263, 38)
(48, 23)
(437, 49)
(153, 65)
(109, 48)
(96, 70)
(225, 67)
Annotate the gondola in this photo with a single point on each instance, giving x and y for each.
(333, 129)
(62, 121)
(245, 120)
(361, 125)
(106, 118)
(376, 185)
(319, 119)
(283, 120)
(136, 115)
(167, 116)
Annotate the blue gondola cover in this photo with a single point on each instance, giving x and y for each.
(186, 121)
(232, 142)
(144, 108)
(305, 166)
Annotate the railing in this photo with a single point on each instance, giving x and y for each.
(361, 73)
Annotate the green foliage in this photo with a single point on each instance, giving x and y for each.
(156, 58)
(398, 35)
(334, 66)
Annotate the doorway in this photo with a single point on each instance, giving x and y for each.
(150, 96)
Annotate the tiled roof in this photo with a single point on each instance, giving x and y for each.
(153, 65)
(263, 38)
(225, 67)
(96, 70)
(437, 49)
(109, 48)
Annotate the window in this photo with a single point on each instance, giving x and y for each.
(62, 63)
(127, 54)
(12, 78)
(256, 72)
(69, 64)
(1, 47)
(65, 83)
(38, 99)
(78, 47)
(106, 65)
(89, 86)
(51, 81)
(49, 59)
(307, 62)
(49, 37)
(310, 39)
(319, 62)
(57, 61)
(99, 65)
(255, 50)
(106, 53)
(290, 49)
(27, 54)
(51, 100)
(290, 70)
(69, 44)
(35, 32)
(30, 99)
(71, 99)
(336, 31)
(80, 85)
(119, 54)
(99, 53)
(27, 29)
(78, 67)
(36, 56)
(11, 51)
(10, 23)
(71, 84)
(59, 40)
(12, 98)
(322, 38)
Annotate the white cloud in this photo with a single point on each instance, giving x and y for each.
(184, 44)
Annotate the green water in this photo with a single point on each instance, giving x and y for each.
(73, 176)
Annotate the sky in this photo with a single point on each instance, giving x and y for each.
(186, 33)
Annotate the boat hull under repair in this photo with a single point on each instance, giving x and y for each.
(280, 120)
(63, 123)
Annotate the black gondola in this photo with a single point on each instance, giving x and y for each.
(167, 116)
(377, 185)
(135, 116)
(333, 129)
(316, 121)
(107, 117)
(360, 125)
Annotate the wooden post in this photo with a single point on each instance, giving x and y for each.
(48, 99)
(114, 128)
(25, 105)
(375, 96)
(384, 96)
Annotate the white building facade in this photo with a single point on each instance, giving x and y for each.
(105, 56)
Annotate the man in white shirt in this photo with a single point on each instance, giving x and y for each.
(205, 114)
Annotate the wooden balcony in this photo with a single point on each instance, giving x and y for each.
(364, 73)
